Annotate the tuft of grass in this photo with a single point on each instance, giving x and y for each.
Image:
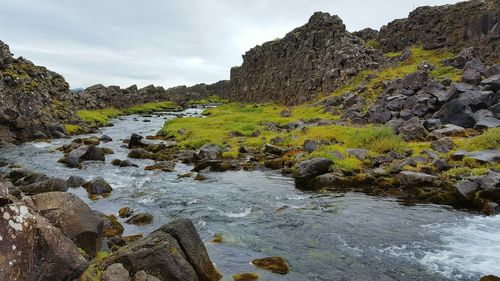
(101, 117)
(373, 43)
(211, 99)
(490, 139)
(73, 129)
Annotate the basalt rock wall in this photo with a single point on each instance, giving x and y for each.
(466, 24)
(316, 57)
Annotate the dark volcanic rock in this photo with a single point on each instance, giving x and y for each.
(309, 169)
(173, 252)
(73, 217)
(465, 24)
(314, 58)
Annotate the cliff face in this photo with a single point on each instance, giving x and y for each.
(29, 98)
(467, 24)
(314, 58)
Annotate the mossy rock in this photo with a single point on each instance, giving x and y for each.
(217, 238)
(274, 264)
(112, 228)
(490, 278)
(246, 276)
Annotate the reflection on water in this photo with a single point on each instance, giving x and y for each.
(259, 213)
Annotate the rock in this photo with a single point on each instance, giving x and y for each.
(246, 277)
(490, 181)
(443, 145)
(161, 255)
(75, 181)
(40, 135)
(456, 112)
(107, 150)
(73, 217)
(485, 156)
(115, 272)
(432, 124)
(413, 130)
(414, 179)
(105, 138)
(440, 165)
(127, 163)
(112, 227)
(209, 152)
(309, 169)
(310, 146)
(274, 264)
(98, 186)
(490, 278)
(88, 141)
(143, 276)
(200, 177)
(286, 113)
(52, 184)
(185, 233)
(471, 76)
(380, 172)
(141, 153)
(47, 254)
(275, 150)
(486, 122)
(165, 166)
(125, 212)
(467, 188)
(359, 153)
(140, 219)
(83, 153)
(492, 82)
(136, 141)
(275, 163)
(449, 130)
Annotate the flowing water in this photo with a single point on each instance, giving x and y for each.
(335, 236)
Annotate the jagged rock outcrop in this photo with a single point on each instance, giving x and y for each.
(313, 58)
(30, 99)
(473, 23)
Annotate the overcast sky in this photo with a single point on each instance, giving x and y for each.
(166, 42)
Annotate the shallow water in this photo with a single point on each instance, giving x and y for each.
(335, 236)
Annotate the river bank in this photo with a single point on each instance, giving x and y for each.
(232, 204)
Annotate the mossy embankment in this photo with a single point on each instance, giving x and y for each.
(251, 126)
(101, 117)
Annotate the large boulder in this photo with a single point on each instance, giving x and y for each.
(413, 130)
(33, 249)
(98, 186)
(456, 112)
(173, 252)
(73, 217)
(415, 179)
(209, 152)
(52, 184)
(492, 82)
(83, 153)
(309, 169)
(136, 141)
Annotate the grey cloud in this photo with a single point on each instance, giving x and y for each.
(168, 43)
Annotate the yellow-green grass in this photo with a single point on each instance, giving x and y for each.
(73, 129)
(101, 117)
(211, 99)
(219, 122)
(490, 139)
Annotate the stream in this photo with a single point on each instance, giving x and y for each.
(336, 236)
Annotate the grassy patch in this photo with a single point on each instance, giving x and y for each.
(73, 129)
(220, 123)
(100, 117)
(211, 100)
(490, 139)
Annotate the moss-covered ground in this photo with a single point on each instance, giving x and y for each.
(101, 117)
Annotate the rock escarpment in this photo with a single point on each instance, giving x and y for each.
(29, 98)
(314, 58)
(466, 24)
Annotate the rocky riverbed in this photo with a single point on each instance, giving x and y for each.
(259, 213)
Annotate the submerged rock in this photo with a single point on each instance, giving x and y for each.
(125, 212)
(140, 219)
(274, 264)
(246, 276)
(83, 153)
(165, 166)
(75, 181)
(136, 141)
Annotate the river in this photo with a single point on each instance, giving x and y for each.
(348, 236)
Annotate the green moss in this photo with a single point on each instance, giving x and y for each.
(490, 139)
(373, 43)
(211, 99)
(101, 117)
(73, 129)
(95, 269)
(446, 72)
